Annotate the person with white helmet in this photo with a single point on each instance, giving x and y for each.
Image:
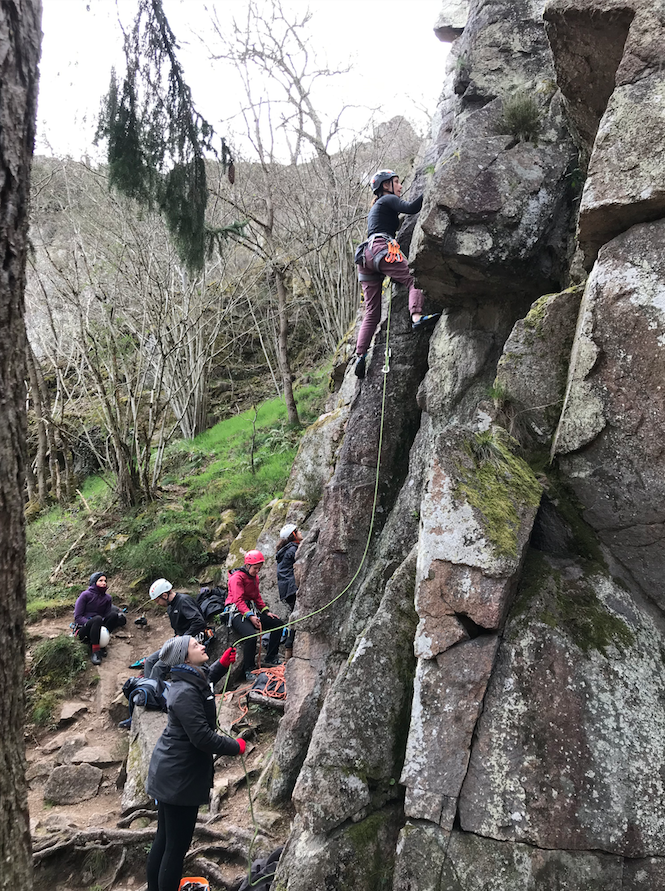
(250, 613)
(95, 616)
(185, 616)
(285, 555)
(380, 256)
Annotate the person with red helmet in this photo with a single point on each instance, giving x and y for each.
(380, 256)
(250, 613)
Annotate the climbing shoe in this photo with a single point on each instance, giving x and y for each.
(141, 621)
(139, 663)
(426, 321)
(96, 659)
(271, 662)
(359, 369)
(126, 724)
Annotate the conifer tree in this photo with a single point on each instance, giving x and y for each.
(156, 138)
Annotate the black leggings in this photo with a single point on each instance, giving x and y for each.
(175, 828)
(245, 629)
(90, 631)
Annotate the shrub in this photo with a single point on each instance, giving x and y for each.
(521, 117)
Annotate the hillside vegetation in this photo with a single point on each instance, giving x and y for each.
(240, 464)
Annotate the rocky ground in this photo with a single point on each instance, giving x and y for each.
(89, 742)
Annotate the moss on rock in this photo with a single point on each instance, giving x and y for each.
(499, 485)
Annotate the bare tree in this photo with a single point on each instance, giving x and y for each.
(20, 36)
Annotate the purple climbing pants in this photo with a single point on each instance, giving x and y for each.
(398, 272)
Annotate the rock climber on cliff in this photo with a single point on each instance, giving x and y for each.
(380, 256)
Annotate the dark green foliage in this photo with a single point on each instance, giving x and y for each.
(55, 665)
(156, 138)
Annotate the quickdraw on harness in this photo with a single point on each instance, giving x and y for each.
(368, 261)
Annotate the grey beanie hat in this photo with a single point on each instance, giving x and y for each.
(95, 577)
(174, 651)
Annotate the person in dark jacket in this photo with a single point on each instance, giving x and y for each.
(93, 611)
(250, 614)
(383, 257)
(287, 546)
(180, 775)
(185, 616)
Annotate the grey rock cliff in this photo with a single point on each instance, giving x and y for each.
(505, 586)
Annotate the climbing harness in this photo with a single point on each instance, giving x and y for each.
(368, 261)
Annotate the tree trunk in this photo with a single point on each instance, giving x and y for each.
(282, 349)
(20, 34)
(42, 446)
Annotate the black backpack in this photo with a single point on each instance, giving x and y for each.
(148, 692)
(211, 602)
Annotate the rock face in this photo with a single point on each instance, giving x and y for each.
(498, 573)
(611, 429)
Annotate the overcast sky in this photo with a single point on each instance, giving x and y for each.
(398, 63)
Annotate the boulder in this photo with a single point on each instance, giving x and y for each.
(96, 755)
(70, 745)
(147, 727)
(71, 711)
(610, 437)
(72, 783)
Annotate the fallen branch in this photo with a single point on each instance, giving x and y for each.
(54, 574)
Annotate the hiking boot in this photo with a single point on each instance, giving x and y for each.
(141, 621)
(103, 652)
(359, 369)
(96, 659)
(249, 676)
(271, 662)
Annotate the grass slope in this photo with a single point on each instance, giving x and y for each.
(240, 463)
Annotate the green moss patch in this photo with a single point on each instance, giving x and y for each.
(569, 605)
(499, 485)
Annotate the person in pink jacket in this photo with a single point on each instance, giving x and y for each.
(250, 613)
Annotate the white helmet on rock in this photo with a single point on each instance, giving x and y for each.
(161, 586)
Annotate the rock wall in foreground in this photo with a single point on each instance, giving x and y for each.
(480, 706)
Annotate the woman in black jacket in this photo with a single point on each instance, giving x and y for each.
(180, 775)
(289, 539)
(382, 257)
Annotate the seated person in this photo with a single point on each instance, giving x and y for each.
(185, 616)
(250, 614)
(93, 610)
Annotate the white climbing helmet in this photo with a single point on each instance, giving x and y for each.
(161, 586)
(287, 530)
(104, 636)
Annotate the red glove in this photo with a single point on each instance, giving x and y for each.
(243, 745)
(228, 657)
